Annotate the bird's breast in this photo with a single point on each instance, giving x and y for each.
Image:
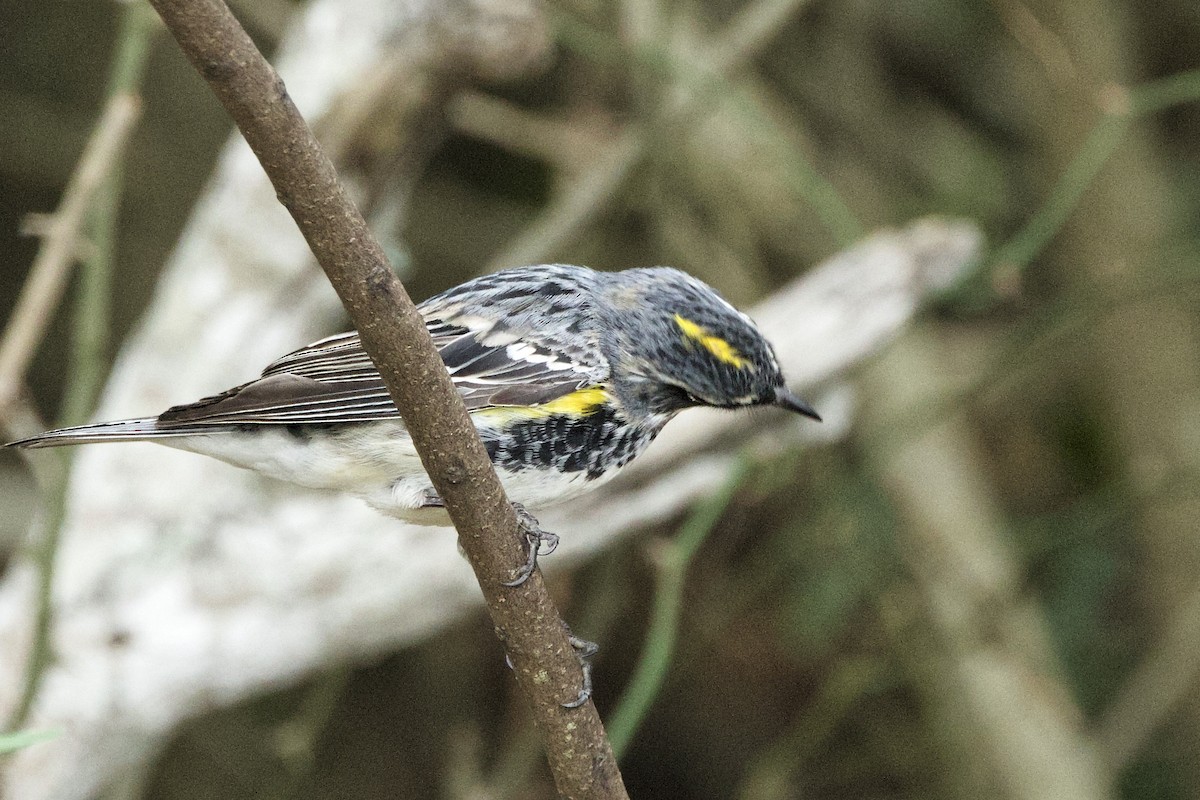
(584, 446)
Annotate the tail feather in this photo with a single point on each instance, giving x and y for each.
(126, 430)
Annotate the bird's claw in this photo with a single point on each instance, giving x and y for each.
(584, 650)
(540, 543)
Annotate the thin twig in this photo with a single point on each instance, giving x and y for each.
(1159, 95)
(725, 54)
(1122, 107)
(12, 742)
(93, 309)
(1163, 678)
(91, 318)
(562, 143)
(1045, 224)
(575, 207)
(55, 475)
(749, 32)
(48, 276)
(394, 335)
(663, 633)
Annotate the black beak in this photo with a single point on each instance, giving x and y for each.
(785, 399)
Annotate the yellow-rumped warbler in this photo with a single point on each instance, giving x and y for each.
(568, 375)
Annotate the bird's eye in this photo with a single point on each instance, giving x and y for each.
(676, 398)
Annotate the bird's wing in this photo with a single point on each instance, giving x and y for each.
(334, 381)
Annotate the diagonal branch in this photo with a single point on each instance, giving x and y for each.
(394, 334)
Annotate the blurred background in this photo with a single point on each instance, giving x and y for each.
(1045, 413)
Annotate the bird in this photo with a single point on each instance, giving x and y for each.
(568, 374)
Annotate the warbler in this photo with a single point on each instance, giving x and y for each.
(568, 374)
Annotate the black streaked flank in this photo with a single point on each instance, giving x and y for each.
(593, 444)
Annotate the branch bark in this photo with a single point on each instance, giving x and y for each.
(394, 334)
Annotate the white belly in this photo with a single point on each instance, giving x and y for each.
(376, 462)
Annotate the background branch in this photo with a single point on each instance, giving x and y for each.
(88, 210)
(63, 237)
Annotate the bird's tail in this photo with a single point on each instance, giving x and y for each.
(126, 430)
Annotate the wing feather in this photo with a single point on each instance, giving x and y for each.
(334, 381)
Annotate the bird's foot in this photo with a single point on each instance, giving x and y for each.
(584, 650)
(540, 543)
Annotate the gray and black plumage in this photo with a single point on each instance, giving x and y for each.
(568, 375)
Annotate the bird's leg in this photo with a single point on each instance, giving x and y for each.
(537, 539)
(540, 542)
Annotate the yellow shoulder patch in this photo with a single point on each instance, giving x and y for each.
(579, 403)
(720, 349)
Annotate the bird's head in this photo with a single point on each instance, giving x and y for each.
(676, 343)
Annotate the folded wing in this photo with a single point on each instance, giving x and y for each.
(333, 381)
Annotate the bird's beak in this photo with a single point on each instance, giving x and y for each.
(785, 399)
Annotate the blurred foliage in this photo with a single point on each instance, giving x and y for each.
(804, 666)
(11, 742)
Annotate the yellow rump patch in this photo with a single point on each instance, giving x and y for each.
(578, 403)
(720, 349)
